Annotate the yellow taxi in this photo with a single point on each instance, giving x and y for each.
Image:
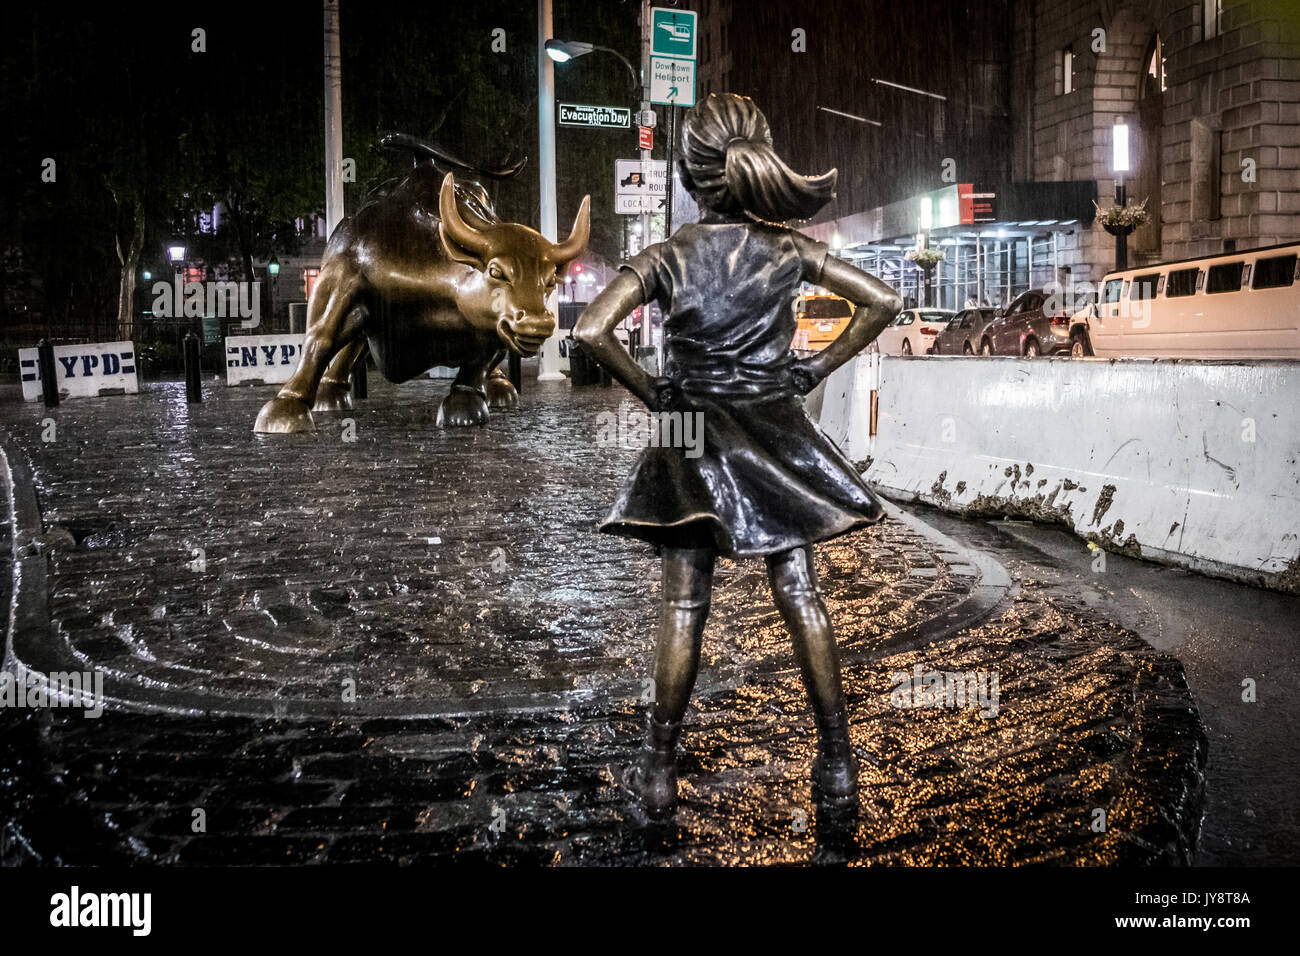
(821, 319)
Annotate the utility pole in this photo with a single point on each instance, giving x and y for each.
(646, 155)
(550, 357)
(333, 120)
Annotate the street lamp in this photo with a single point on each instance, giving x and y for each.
(562, 51)
(176, 253)
(1119, 163)
(273, 270)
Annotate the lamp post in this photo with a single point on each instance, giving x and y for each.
(273, 270)
(1120, 165)
(562, 51)
(549, 362)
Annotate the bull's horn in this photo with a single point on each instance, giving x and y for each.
(453, 226)
(572, 247)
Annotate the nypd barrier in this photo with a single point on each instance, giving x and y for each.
(261, 359)
(1194, 463)
(101, 368)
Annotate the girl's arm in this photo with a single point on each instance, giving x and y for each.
(595, 330)
(877, 306)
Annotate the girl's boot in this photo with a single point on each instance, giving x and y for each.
(835, 771)
(653, 778)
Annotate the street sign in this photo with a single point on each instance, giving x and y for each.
(635, 205)
(645, 137)
(672, 81)
(672, 32)
(602, 117)
(640, 186)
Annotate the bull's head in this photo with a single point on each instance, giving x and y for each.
(518, 270)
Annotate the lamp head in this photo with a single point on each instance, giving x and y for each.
(562, 51)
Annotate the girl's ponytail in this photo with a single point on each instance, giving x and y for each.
(766, 188)
(729, 163)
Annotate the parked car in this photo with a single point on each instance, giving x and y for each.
(1243, 304)
(1026, 328)
(913, 331)
(822, 317)
(962, 335)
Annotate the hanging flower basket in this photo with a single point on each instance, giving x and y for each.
(1121, 220)
(927, 259)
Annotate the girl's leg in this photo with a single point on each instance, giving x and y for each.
(798, 598)
(687, 587)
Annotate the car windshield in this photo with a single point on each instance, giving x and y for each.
(935, 316)
(827, 309)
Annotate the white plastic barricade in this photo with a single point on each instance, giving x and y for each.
(261, 359)
(82, 371)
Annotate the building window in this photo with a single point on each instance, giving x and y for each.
(1066, 81)
(1211, 14)
(1154, 81)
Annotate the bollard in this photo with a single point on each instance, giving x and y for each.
(193, 386)
(360, 387)
(49, 383)
(515, 372)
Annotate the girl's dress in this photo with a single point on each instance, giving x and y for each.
(767, 479)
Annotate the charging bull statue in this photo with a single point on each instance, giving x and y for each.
(427, 275)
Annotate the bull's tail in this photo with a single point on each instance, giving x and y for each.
(422, 148)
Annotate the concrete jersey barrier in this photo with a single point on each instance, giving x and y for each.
(1194, 463)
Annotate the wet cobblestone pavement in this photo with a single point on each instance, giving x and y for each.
(498, 648)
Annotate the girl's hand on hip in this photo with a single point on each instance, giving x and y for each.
(664, 395)
(804, 375)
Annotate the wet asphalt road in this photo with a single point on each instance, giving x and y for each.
(498, 648)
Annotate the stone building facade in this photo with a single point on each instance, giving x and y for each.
(1030, 91)
(1210, 90)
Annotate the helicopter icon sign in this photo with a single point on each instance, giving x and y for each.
(673, 32)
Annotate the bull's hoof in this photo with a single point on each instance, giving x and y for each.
(501, 393)
(463, 408)
(332, 397)
(282, 415)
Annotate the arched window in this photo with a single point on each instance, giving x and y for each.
(1153, 81)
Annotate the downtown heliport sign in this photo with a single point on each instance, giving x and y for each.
(672, 56)
(597, 117)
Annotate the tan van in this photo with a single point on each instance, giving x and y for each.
(1231, 305)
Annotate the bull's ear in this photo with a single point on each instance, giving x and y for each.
(459, 253)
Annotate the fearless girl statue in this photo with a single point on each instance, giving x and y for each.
(768, 483)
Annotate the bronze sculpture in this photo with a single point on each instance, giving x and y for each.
(427, 275)
(768, 482)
